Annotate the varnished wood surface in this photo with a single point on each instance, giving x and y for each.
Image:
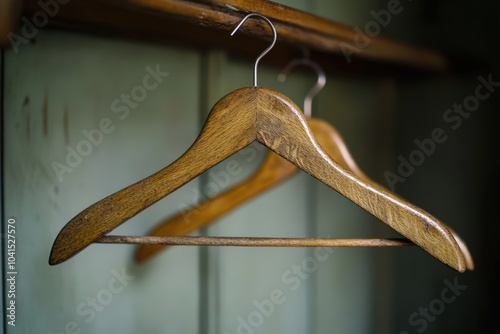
(206, 24)
(293, 26)
(273, 170)
(253, 242)
(331, 141)
(239, 118)
(229, 129)
(290, 137)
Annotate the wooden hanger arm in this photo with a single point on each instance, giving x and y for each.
(274, 170)
(107, 214)
(238, 119)
(229, 128)
(332, 142)
(334, 145)
(469, 261)
(282, 127)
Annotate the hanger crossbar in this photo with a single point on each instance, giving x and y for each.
(252, 241)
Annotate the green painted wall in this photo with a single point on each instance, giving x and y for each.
(148, 103)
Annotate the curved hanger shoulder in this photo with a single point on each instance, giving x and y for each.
(331, 141)
(273, 170)
(283, 128)
(238, 119)
(229, 128)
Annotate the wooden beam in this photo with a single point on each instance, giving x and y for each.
(10, 15)
(206, 24)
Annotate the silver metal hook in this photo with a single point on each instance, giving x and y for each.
(314, 89)
(275, 36)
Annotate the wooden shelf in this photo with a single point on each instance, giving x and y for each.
(206, 24)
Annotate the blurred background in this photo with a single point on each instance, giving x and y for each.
(62, 84)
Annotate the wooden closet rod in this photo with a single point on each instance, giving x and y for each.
(207, 23)
(293, 26)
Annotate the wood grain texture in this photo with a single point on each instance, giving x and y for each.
(229, 129)
(269, 117)
(207, 23)
(253, 242)
(273, 171)
(283, 129)
(293, 26)
(331, 141)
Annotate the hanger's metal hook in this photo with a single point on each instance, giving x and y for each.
(275, 36)
(314, 89)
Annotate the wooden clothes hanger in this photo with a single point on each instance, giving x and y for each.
(272, 172)
(238, 119)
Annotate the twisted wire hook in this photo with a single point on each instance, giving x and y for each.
(275, 36)
(318, 86)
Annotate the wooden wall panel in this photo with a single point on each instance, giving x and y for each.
(57, 91)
